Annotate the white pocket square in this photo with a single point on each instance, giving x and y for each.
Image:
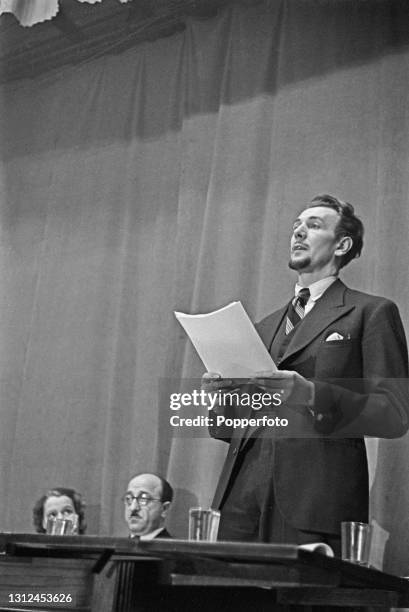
(334, 336)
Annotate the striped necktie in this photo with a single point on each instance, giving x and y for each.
(296, 309)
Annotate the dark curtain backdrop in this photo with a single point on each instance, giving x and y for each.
(167, 177)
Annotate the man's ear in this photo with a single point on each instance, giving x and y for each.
(344, 245)
(165, 508)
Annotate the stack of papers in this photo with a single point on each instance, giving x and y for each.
(227, 342)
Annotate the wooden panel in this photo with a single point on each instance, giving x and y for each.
(38, 576)
(337, 597)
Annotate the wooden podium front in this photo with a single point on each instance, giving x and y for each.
(98, 574)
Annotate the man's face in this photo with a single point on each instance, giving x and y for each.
(313, 242)
(61, 507)
(142, 519)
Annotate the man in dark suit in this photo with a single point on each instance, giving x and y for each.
(342, 368)
(147, 502)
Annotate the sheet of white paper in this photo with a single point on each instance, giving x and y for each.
(227, 342)
(320, 547)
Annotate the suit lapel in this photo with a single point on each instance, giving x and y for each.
(330, 307)
(269, 327)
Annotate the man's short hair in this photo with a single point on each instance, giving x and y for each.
(348, 225)
(166, 491)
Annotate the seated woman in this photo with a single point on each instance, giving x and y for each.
(59, 503)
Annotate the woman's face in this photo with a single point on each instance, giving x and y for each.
(61, 507)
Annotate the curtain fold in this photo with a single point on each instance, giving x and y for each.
(167, 178)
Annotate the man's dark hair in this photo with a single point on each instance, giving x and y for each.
(167, 491)
(348, 225)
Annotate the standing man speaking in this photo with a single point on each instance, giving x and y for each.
(342, 359)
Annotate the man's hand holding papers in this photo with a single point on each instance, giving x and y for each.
(212, 382)
(242, 380)
(295, 389)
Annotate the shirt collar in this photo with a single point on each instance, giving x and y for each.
(317, 288)
(152, 534)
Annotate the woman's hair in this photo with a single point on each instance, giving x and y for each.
(79, 507)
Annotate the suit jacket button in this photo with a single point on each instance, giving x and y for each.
(235, 451)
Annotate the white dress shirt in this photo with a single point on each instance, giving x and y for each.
(152, 534)
(316, 291)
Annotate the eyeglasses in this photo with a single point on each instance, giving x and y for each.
(143, 499)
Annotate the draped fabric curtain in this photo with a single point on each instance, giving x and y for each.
(167, 178)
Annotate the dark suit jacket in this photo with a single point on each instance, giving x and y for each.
(163, 534)
(361, 388)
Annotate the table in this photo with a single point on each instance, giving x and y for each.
(105, 574)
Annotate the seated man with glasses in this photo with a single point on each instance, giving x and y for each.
(147, 502)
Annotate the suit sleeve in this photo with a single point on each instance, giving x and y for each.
(229, 410)
(378, 403)
(221, 431)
